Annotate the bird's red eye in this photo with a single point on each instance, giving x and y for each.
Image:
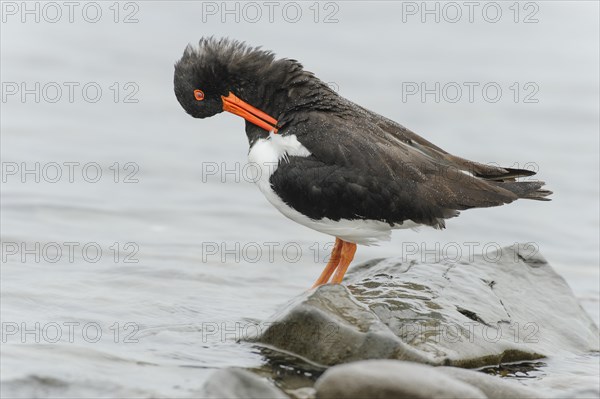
(199, 94)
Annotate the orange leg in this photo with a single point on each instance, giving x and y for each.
(334, 259)
(348, 251)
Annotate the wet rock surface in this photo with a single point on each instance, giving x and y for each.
(402, 329)
(492, 387)
(507, 306)
(235, 383)
(399, 379)
(383, 379)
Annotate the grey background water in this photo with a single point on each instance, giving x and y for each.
(188, 298)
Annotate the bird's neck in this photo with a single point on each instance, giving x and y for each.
(283, 89)
(287, 105)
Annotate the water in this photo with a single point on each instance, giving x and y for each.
(174, 316)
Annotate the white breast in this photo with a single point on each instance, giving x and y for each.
(265, 155)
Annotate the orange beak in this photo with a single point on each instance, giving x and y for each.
(236, 106)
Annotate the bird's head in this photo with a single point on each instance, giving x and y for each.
(225, 75)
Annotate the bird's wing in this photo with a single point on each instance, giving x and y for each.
(372, 168)
(406, 136)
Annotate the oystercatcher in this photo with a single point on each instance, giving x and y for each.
(330, 164)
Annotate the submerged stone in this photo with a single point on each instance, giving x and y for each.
(394, 379)
(239, 383)
(391, 379)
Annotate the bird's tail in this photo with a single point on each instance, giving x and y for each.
(506, 178)
(527, 189)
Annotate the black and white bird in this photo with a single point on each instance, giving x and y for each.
(330, 164)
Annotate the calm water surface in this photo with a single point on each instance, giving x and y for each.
(193, 256)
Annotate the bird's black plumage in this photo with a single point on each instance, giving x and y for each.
(365, 166)
(362, 165)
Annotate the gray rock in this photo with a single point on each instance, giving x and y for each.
(492, 387)
(383, 379)
(302, 393)
(233, 383)
(471, 313)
